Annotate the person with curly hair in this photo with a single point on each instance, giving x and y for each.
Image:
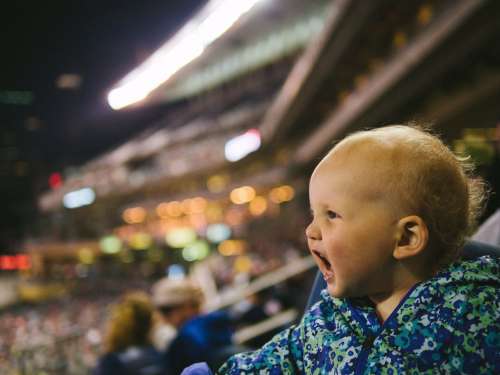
(127, 344)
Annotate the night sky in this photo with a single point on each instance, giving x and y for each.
(101, 41)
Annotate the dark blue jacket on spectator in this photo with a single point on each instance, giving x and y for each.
(201, 339)
(133, 361)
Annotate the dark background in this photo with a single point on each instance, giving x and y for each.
(45, 129)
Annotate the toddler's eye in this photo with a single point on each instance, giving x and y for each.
(332, 214)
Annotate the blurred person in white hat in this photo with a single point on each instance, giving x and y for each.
(176, 301)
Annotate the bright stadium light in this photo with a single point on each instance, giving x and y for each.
(213, 20)
(79, 198)
(239, 147)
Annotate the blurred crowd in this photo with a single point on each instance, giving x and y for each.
(69, 335)
(59, 337)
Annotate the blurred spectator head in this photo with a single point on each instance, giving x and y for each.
(130, 322)
(177, 300)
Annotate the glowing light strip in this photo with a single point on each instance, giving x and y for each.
(79, 198)
(189, 43)
(238, 147)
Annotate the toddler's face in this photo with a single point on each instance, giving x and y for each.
(353, 231)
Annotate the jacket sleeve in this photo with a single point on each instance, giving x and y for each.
(281, 355)
(197, 369)
(109, 364)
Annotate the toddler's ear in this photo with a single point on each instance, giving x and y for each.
(413, 237)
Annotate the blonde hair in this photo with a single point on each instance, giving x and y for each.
(171, 293)
(130, 323)
(431, 182)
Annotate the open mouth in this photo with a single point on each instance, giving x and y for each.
(326, 270)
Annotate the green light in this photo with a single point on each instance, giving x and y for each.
(110, 244)
(180, 237)
(16, 97)
(196, 251)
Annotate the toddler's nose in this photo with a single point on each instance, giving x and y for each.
(313, 233)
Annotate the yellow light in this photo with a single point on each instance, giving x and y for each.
(134, 215)
(186, 206)
(180, 237)
(288, 193)
(162, 210)
(399, 39)
(242, 195)
(140, 241)
(424, 15)
(282, 194)
(86, 255)
(231, 247)
(214, 213)
(258, 206)
(217, 183)
(198, 205)
(243, 264)
(174, 209)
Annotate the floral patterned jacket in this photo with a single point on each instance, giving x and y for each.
(448, 324)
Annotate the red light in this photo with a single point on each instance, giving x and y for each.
(15, 262)
(23, 262)
(55, 180)
(8, 262)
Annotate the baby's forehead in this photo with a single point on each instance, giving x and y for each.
(372, 144)
(368, 154)
(366, 167)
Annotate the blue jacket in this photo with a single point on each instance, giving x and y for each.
(133, 361)
(448, 324)
(199, 340)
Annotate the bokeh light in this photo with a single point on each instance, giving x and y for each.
(180, 237)
(176, 271)
(217, 183)
(194, 205)
(242, 195)
(232, 247)
(174, 209)
(86, 255)
(134, 215)
(79, 198)
(110, 244)
(214, 212)
(258, 206)
(161, 210)
(243, 264)
(196, 251)
(218, 232)
(140, 241)
(282, 194)
(234, 216)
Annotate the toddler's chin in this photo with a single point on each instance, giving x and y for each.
(334, 291)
